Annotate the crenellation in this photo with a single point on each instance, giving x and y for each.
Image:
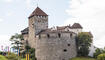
(57, 35)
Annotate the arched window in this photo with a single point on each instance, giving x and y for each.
(71, 34)
(48, 35)
(59, 35)
(68, 44)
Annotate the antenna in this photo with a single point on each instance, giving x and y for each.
(37, 2)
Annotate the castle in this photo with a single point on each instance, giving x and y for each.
(57, 43)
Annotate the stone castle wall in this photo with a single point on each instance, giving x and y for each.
(55, 47)
(31, 39)
(25, 36)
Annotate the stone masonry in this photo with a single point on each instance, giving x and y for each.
(50, 43)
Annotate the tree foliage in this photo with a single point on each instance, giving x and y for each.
(29, 50)
(17, 41)
(84, 41)
(101, 57)
(99, 51)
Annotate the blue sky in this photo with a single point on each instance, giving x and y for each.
(89, 13)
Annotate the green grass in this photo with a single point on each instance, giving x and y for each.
(82, 58)
(23, 59)
(2, 58)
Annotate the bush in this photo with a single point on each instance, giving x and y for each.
(101, 57)
(3, 53)
(98, 51)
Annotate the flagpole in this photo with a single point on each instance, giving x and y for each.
(8, 50)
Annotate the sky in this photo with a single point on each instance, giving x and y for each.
(89, 13)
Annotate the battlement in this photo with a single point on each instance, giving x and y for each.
(56, 35)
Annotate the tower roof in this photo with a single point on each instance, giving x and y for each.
(76, 25)
(38, 12)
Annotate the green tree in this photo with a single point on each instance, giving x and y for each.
(98, 51)
(17, 41)
(101, 57)
(84, 41)
(29, 50)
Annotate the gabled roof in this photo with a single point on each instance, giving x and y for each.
(76, 25)
(62, 27)
(38, 12)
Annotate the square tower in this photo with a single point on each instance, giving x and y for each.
(38, 21)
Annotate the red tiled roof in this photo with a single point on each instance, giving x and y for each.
(38, 12)
(76, 25)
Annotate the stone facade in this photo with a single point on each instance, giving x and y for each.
(50, 43)
(56, 47)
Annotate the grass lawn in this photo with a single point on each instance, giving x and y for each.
(82, 58)
(23, 59)
(2, 58)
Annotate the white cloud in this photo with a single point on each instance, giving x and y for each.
(28, 3)
(31, 3)
(91, 15)
(1, 19)
(9, 14)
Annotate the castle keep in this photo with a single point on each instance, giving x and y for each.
(57, 43)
